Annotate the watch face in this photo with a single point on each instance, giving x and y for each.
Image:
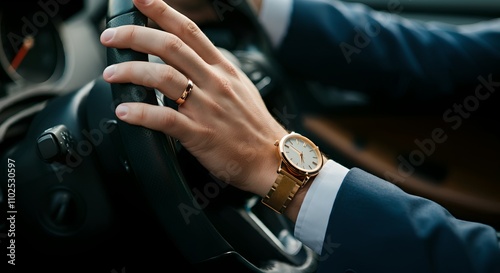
(301, 153)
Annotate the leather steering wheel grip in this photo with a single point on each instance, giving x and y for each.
(151, 157)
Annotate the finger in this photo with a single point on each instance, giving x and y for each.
(174, 22)
(163, 77)
(168, 47)
(159, 118)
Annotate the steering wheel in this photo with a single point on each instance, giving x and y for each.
(204, 229)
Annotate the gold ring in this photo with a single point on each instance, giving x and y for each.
(186, 93)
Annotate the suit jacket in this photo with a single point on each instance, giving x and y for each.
(384, 55)
(375, 226)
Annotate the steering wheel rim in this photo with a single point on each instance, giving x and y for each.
(152, 158)
(150, 155)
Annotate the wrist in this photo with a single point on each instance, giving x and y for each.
(292, 211)
(293, 208)
(263, 164)
(268, 171)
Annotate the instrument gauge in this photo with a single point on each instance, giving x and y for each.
(31, 49)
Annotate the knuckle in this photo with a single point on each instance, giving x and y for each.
(225, 87)
(203, 138)
(148, 76)
(231, 70)
(166, 75)
(124, 70)
(132, 33)
(167, 120)
(190, 28)
(173, 43)
(163, 11)
(140, 113)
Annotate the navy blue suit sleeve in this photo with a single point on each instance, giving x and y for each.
(380, 53)
(374, 226)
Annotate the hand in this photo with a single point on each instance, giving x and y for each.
(224, 122)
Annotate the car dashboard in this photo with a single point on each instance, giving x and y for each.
(48, 48)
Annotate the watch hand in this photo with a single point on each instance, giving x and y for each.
(28, 43)
(299, 152)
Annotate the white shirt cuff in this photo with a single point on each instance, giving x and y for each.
(275, 17)
(314, 214)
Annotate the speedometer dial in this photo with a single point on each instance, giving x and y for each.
(31, 50)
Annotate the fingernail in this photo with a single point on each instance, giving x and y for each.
(109, 71)
(108, 34)
(121, 110)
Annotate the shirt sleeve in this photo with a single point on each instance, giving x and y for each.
(312, 221)
(275, 17)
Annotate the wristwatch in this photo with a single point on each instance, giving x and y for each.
(301, 160)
